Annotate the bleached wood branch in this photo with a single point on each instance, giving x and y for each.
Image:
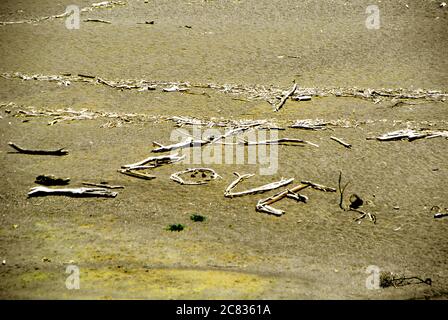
(74, 192)
(285, 97)
(136, 174)
(58, 152)
(155, 162)
(176, 176)
(345, 144)
(267, 187)
(411, 135)
(263, 205)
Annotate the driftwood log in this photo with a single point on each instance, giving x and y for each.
(267, 187)
(72, 192)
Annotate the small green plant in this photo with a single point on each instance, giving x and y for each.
(176, 227)
(197, 217)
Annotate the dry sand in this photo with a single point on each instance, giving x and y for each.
(314, 251)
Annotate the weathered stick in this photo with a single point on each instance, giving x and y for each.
(155, 162)
(285, 97)
(73, 192)
(136, 174)
(102, 185)
(267, 187)
(58, 152)
(97, 20)
(345, 144)
(281, 141)
(184, 144)
(176, 176)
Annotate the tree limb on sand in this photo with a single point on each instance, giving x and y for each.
(58, 152)
(267, 187)
(73, 192)
(285, 97)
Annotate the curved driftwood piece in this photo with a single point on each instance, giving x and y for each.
(285, 97)
(58, 152)
(176, 176)
(72, 192)
(267, 187)
(345, 144)
(154, 162)
(136, 174)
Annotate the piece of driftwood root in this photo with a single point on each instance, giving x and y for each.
(195, 171)
(58, 152)
(51, 180)
(345, 144)
(355, 202)
(285, 97)
(263, 205)
(267, 187)
(72, 192)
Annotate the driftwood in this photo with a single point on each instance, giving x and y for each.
(355, 202)
(153, 162)
(102, 185)
(267, 187)
(97, 20)
(58, 152)
(72, 192)
(310, 124)
(263, 205)
(51, 180)
(345, 144)
(301, 98)
(285, 97)
(203, 171)
(281, 141)
(189, 142)
(174, 88)
(410, 135)
(136, 174)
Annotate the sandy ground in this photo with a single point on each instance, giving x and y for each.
(315, 250)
